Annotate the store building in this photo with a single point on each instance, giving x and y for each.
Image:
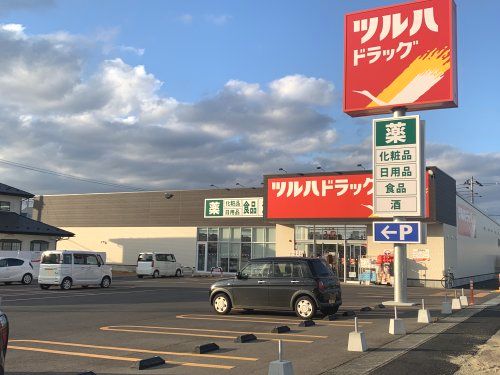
(299, 215)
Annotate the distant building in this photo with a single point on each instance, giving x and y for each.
(20, 233)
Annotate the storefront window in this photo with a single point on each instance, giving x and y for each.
(246, 234)
(213, 234)
(271, 234)
(232, 247)
(258, 234)
(202, 234)
(258, 250)
(225, 234)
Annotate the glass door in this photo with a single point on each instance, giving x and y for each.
(202, 256)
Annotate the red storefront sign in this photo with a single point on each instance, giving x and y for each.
(334, 196)
(401, 55)
(346, 196)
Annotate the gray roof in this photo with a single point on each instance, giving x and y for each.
(13, 223)
(9, 190)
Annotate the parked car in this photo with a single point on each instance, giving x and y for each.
(67, 268)
(303, 285)
(157, 264)
(16, 270)
(4, 340)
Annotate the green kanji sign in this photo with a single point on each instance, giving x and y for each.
(395, 132)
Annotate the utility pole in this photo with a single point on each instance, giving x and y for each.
(471, 182)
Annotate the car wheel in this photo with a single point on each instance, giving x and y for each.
(44, 286)
(305, 307)
(140, 276)
(222, 304)
(106, 282)
(156, 274)
(27, 279)
(66, 284)
(178, 273)
(330, 310)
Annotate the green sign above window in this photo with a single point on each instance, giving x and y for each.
(233, 207)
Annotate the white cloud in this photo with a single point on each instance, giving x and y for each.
(303, 89)
(218, 20)
(114, 124)
(186, 18)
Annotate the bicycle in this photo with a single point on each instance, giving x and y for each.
(448, 280)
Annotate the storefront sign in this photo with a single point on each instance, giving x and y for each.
(420, 255)
(400, 55)
(337, 196)
(233, 207)
(398, 165)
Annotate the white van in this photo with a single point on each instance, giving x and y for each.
(157, 264)
(67, 268)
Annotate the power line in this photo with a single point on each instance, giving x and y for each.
(66, 175)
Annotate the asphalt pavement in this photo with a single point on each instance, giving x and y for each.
(108, 330)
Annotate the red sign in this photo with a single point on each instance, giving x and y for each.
(346, 196)
(401, 55)
(335, 196)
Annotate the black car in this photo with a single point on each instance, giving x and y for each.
(4, 340)
(282, 283)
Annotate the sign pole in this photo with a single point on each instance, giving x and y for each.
(400, 273)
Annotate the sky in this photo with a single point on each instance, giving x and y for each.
(184, 94)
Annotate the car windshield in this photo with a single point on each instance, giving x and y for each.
(321, 269)
(51, 259)
(145, 257)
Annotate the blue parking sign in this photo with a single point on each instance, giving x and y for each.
(398, 232)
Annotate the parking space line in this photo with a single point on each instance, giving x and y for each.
(193, 334)
(221, 331)
(102, 293)
(114, 358)
(263, 320)
(135, 350)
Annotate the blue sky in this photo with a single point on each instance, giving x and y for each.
(194, 48)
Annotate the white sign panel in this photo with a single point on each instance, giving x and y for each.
(398, 167)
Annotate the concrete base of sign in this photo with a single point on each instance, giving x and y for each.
(397, 327)
(280, 368)
(455, 304)
(446, 307)
(424, 316)
(463, 301)
(357, 342)
(399, 304)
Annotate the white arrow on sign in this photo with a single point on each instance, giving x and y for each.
(385, 232)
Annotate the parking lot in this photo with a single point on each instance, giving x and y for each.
(109, 330)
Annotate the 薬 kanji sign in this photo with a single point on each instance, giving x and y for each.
(400, 56)
(233, 207)
(398, 167)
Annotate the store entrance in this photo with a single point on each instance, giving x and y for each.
(354, 254)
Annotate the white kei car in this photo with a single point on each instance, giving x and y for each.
(16, 270)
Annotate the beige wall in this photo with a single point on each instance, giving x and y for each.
(26, 240)
(123, 244)
(15, 203)
(431, 270)
(285, 237)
